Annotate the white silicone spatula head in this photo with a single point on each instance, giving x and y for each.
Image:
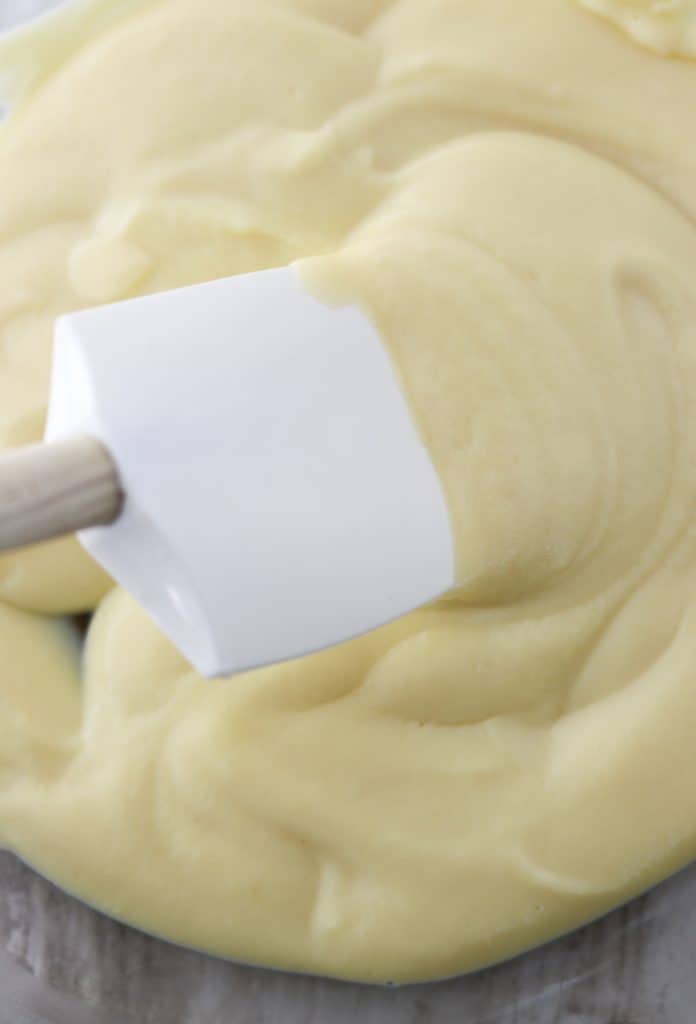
(278, 496)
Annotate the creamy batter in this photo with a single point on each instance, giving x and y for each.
(509, 190)
(666, 26)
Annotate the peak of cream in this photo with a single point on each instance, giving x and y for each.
(665, 26)
(509, 190)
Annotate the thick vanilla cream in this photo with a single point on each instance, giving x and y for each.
(665, 26)
(509, 190)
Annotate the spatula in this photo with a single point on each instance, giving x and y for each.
(240, 457)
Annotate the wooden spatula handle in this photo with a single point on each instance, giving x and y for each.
(49, 490)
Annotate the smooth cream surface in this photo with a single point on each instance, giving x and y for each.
(509, 190)
(666, 26)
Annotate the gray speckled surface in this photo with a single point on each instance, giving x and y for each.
(14, 11)
(61, 963)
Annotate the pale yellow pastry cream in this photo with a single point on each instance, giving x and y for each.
(509, 190)
(666, 26)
